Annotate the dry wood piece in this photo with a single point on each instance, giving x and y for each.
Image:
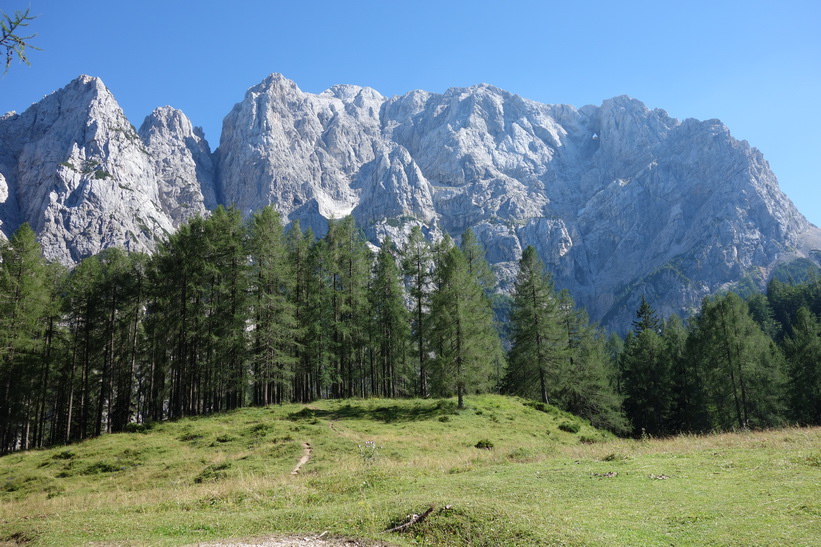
(415, 519)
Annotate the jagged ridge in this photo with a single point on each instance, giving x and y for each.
(619, 200)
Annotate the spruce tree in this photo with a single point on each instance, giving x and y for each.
(646, 384)
(308, 377)
(803, 352)
(586, 383)
(688, 405)
(645, 377)
(646, 318)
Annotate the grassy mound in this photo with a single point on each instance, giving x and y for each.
(502, 471)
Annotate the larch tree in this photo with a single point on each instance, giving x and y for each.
(275, 329)
(24, 303)
(466, 339)
(416, 265)
(390, 330)
(742, 365)
(537, 338)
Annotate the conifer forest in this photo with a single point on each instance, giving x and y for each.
(231, 312)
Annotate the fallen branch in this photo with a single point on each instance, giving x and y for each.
(415, 519)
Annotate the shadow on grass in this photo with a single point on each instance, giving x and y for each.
(385, 413)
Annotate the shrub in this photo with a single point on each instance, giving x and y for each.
(213, 473)
(569, 427)
(134, 427)
(485, 444)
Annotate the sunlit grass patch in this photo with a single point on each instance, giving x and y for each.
(374, 462)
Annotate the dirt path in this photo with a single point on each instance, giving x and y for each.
(306, 456)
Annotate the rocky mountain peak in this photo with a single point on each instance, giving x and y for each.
(619, 200)
(182, 159)
(78, 172)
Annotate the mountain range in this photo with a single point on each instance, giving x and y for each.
(620, 201)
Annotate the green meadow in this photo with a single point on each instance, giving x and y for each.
(502, 471)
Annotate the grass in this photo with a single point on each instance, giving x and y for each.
(374, 462)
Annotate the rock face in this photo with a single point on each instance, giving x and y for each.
(313, 156)
(620, 201)
(182, 159)
(80, 175)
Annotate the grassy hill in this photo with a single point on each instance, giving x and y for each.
(549, 478)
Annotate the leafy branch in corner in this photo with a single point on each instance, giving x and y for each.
(13, 42)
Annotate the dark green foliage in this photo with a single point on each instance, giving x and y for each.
(688, 405)
(556, 356)
(465, 339)
(485, 444)
(417, 265)
(570, 427)
(538, 340)
(803, 353)
(25, 310)
(646, 318)
(276, 331)
(743, 366)
(646, 383)
(347, 267)
(390, 333)
(231, 312)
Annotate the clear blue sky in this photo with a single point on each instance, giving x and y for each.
(755, 65)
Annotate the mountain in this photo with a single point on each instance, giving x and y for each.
(619, 200)
(78, 172)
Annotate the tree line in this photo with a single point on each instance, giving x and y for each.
(231, 312)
